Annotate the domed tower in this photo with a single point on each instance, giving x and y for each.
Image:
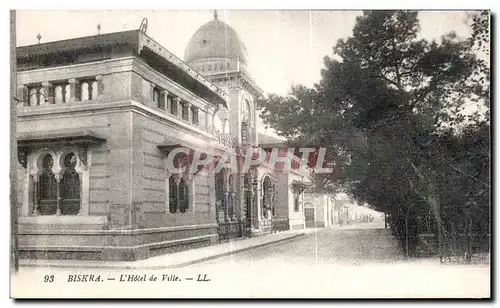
(216, 51)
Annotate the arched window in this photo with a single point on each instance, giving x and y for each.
(230, 206)
(58, 94)
(219, 191)
(48, 187)
(183, 196)
(173, 195)
(245, 112)
(85, 91)
(70, 187)
(267, 197)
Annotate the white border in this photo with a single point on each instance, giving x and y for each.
(177, 4)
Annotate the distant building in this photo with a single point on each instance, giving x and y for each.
(97, 118)
(319, 210)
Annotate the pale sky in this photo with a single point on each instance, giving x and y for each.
(284, 47)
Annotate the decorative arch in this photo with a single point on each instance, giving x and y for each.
(61, 155)
(36, 162)
(58, 181)
(308, 205)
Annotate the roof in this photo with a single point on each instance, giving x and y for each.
(74, 44)
(141, 45)
(270, 140)
(76, 135)
(215, 39)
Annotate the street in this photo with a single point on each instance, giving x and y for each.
(353, 261)
(350, 245)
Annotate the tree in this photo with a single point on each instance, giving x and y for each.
(385, 110)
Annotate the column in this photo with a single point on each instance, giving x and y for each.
(58, 190)
(258, 205)
(226, 203)
(81, 212)
(72, 89)
(191, 187)
(177, 181)
(167, 193)
(100, 84)
(36, 195)
(211, 194)
(96, 87)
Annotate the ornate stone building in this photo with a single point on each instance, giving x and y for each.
(97, 117)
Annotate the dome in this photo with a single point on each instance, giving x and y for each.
(215, 39)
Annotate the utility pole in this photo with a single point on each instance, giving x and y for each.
(13, 145)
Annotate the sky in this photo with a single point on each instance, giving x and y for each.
(284, 47)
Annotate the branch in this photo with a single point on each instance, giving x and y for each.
(468, 175)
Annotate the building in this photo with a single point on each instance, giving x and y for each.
(98, 117)
(319, 210)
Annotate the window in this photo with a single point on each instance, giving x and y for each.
(267, 202)
(174, 106)
(178, 196)
(94, 90)
(168, 100)
(58, 94)
(67, 93)
(159, 98)
(296, 203)
(220, 198)
(230, 206)
(88, 90)
(196, 120)
(70, 187)
(84, 91)
(172, 195)
(183, 196)
(185, 112)
(33, 96)
(48, 188)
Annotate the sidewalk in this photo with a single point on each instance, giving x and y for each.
(174, 260)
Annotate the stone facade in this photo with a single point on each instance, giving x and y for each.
(94, 131)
